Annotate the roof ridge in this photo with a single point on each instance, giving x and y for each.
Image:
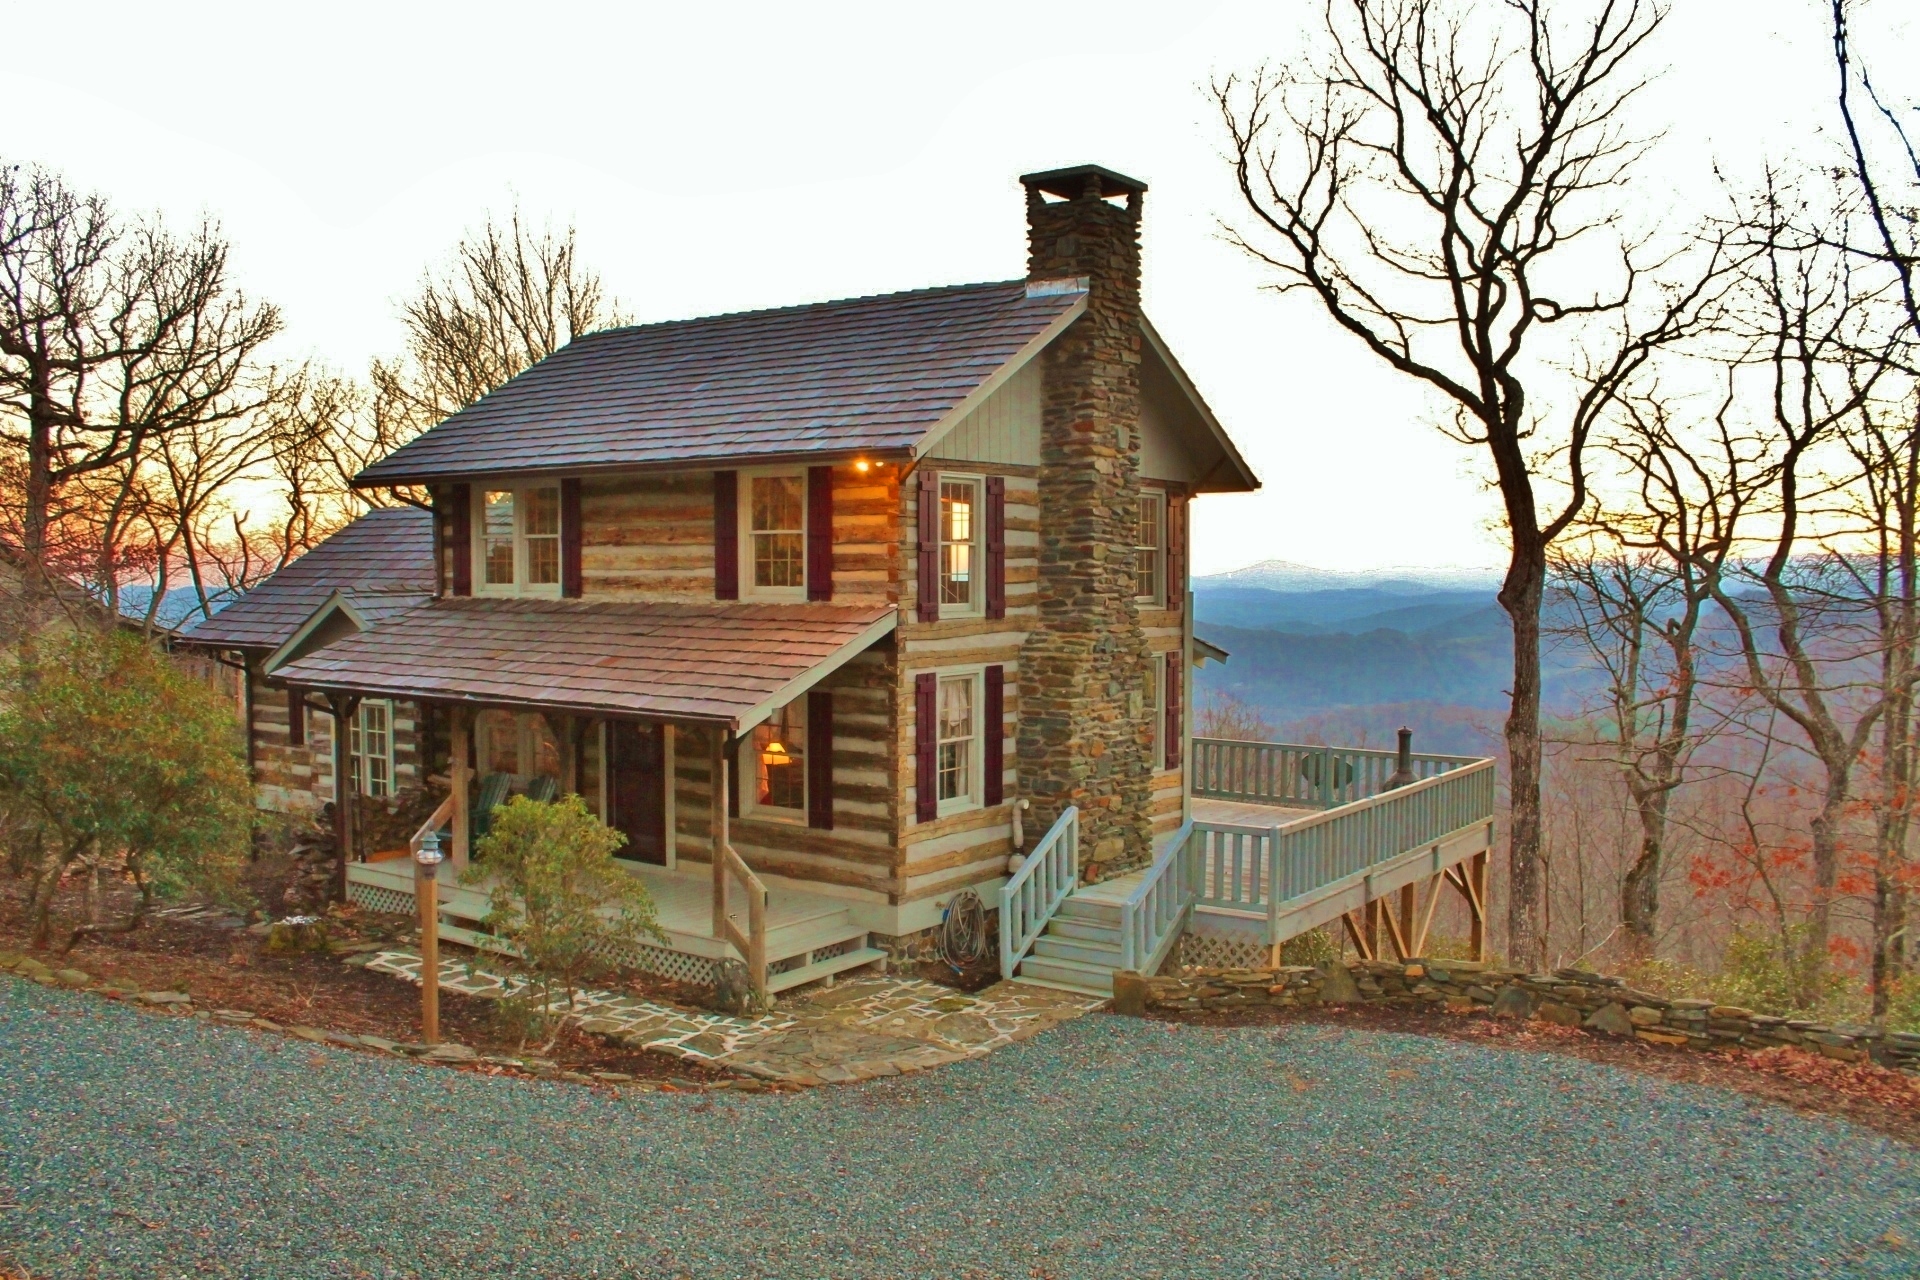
(792, 308)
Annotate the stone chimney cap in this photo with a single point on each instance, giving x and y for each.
(1071, 183)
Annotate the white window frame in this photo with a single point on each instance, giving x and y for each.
(1157, 597)
(748, 768)
(977, 755)
(519, 586)
(358, 732)
(748, 589)
(977, 587)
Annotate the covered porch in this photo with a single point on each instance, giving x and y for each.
(642, 711)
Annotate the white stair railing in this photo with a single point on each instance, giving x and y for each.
(1157, 908)
(1033, 893)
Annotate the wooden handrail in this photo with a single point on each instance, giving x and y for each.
(439, 818)
(753, 943)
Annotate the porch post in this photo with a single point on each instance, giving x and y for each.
(670, 817)
(717, 824)
(460, 730)
(343, 706)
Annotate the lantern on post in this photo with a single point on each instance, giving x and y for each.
(426, 860)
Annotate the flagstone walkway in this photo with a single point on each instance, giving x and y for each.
(857, 1029)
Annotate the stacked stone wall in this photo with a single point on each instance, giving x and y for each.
(1567, 997)
(1083, 737)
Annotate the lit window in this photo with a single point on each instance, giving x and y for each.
(371, 744)
(956, 740)
(959, 536)
(777, 531)
(779, 760)
(519, 539)
(1148, 547)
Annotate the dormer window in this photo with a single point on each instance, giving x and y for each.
(519, 542)
(775, 532)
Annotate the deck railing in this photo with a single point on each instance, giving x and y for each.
(1249, 868)
(1301, 775)
(1033, 893)
(1156, 911)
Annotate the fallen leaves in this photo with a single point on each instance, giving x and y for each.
(1862, 1080)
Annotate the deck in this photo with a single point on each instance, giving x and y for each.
(809, 935)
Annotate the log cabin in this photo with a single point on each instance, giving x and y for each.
(828, 605)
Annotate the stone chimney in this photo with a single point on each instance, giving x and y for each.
(1085, 736)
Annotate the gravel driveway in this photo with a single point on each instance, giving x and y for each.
(133, 1145)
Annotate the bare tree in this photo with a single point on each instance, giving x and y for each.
(1438, 184)
(510, 299)
(112, 336)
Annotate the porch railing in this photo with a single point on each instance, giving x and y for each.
(751, 944)
(1033, 893)
(435, 821)
(1156, 911)
(1301, 775)
(1248, 868)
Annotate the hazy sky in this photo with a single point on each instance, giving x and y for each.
(716, 158)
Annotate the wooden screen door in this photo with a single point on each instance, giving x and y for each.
(637, 790)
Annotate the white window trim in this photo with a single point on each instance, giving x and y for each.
(1157, 599)
(744, 538)
(519, 586)
(356, 742)
(746, 767)
(977, 605)
(1162, 664)
(977, 759)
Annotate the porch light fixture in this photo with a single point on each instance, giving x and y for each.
(862, 465)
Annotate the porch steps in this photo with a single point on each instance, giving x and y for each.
(1080, 950)
(824, 968)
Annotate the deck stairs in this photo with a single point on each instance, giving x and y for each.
(1080, 949)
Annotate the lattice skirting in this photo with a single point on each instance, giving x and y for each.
(380, 898)
(1215, 952)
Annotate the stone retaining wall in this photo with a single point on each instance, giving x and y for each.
(1566, 997)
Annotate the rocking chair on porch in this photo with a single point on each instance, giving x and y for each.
(490, 795)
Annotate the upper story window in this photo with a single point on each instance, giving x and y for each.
(519, 533)
(779, 763)
(1150, 550)
(957, 768)
(371, 745)
(961, 587)
(776, 535)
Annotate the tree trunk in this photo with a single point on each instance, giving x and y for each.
(1826, 876)
(1640, 891)
(1521, 596)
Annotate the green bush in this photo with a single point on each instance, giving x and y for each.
(559, 897)
(115, 761)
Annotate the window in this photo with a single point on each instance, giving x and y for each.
(957, 741)
(776, 515)
(779, 765)
(960, 584)
(519, 533)
(1149, 550)
(520, 745)
(371, 742)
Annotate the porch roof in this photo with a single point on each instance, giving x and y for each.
(726, 664)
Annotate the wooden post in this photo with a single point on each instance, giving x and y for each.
(670, 818)
(1407, 904)
(1476, 877)
(460, 730)
(342, 706)
(427, 892)
(717, 824)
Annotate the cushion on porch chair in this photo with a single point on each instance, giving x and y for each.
(543, 788)
(491, 793)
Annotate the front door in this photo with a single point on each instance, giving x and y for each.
(637, 790)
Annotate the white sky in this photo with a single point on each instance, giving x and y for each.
(716, 158)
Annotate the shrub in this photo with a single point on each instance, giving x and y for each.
(114, 760)
(558, 896)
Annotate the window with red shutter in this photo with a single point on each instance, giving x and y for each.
(459, 530)
(925, 737)
(993, 723)
(996, 546)
(571, 581)
(819, 533)
(1176, 749)
(726, 535)
(820, 759)
(929, 558)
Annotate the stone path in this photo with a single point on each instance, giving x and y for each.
(856, 1030)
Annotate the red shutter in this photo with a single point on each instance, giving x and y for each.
(820, 759)
(570, 576)
(1176, 752)
(996, 546)
(296, 717)
(1176, 549)
(460, 538)
(925, 736)
(929, 546)
(726, 535)
(819, 533)
(994, 724)
(734, 755)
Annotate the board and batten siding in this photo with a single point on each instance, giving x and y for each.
(1004, 428)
